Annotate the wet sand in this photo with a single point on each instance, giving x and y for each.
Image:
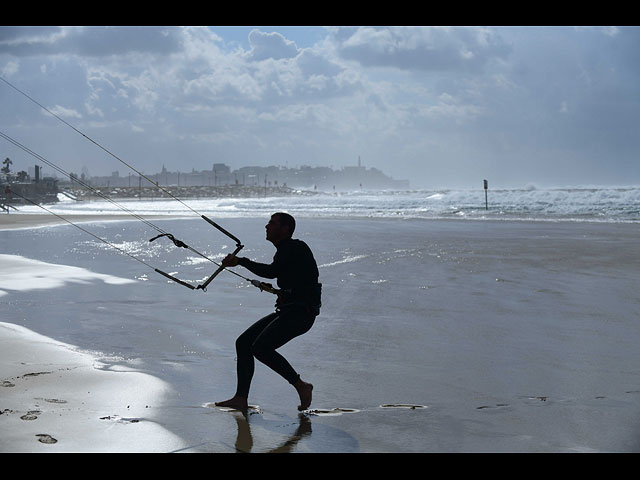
(456, 337)
(54, 398)
(14, 221)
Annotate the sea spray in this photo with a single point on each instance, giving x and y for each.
(601, 204)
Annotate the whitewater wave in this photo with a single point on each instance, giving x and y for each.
(602, 204)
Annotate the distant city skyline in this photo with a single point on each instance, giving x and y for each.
(305, 176)
(309, 177)
(442, 106)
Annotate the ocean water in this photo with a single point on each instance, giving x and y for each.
(589, 203)
(504, 334)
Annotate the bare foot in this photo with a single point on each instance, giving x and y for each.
(304, 391)
(237, 403)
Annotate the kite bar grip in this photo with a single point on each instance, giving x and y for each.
(208, 220)
(220, 268)
(177, 280)
(265, 287)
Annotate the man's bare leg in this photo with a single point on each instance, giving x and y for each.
(304, 391)
(237, 403)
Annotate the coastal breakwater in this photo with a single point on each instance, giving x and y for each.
(153, 191)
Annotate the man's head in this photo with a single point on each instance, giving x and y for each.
(281, 226)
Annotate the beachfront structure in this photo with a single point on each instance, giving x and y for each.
(304, 177)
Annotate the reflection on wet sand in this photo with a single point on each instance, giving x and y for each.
(328, 437)
(244, 440)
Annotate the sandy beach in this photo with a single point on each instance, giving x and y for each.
(457, 337)
(18, 221)
(55, 398)
(70, 394)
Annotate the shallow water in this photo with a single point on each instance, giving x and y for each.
(514, 336)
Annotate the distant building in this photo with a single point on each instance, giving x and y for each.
(304, 177)
(20, 186)
(221, 174)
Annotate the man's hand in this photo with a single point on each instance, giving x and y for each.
(230, 261)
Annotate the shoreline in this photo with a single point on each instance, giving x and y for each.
(56, 398)
(23, 221)
(19, 221)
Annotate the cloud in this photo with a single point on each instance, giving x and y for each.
(270, 45)
(65, 112)
(423, 49)
(10, 68)
(88, 41)
(414, 102)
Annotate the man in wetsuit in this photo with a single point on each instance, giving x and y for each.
(297, 306)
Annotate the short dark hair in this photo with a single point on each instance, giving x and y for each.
(287, 220)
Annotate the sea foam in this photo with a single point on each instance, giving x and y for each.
(588, 203)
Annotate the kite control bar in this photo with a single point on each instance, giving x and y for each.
(239, 247)
(263, 286)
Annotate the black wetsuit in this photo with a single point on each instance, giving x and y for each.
(296, 309)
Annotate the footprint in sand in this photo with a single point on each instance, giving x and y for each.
(118, 419)
(251, 408)
(410, 406)
(497, 405)
(529, 399)
(31, 415)
(536, 399)
(330, 412)
(542, 398)
(34, 374)
(46, 438)
(340, 411)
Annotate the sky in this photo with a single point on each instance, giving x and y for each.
(442, 107)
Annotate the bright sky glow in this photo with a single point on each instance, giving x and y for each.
(442, 107)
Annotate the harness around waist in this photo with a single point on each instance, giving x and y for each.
(309, 296)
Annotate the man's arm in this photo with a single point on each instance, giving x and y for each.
(261, 269)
